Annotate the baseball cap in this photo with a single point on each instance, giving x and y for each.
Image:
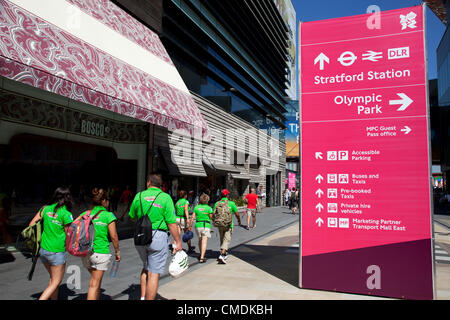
(188, 236)
(225, 192)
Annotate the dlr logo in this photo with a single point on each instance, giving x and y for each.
(374, 281)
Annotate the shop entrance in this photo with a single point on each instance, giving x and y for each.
(32, 167)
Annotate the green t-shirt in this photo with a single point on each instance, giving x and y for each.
(54, 236)
(179, 206)
(232, 207)
(202, 219)
(101, 222)
(162, 212)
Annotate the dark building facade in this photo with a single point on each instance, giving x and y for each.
(234, 56)
(232, 53)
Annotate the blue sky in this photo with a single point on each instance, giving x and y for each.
(308, 10)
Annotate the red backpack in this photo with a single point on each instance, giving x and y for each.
(80, 236)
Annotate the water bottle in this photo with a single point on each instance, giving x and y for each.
(114, 269)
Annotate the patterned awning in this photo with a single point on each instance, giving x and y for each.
(94, 52)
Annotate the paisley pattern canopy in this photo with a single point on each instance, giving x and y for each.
(39, 53)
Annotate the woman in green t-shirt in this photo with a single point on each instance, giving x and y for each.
(183, 221)
(104, 223)
(202, 215)
(55, 217)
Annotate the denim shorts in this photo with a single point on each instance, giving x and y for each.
(155, 255)
(53, 258)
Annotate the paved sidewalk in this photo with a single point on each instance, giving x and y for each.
(15, 266)
(263, 264)
(265, 269)
(268, 269)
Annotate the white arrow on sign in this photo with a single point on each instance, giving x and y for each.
(405, 102)
(319, 178)
(406, 130)
(319, 221)
(319, 155)
(321, 58)
(319, 193)
(319, 207)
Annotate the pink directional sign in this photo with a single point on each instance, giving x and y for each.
(292, 180)
(366, 217)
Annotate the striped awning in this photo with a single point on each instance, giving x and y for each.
(94, 52)
(240, 176)
(178, 165)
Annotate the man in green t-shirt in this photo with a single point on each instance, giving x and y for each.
(225, 233)
(159, 207)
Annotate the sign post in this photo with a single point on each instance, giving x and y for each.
(366, 205)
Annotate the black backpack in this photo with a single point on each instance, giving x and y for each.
(143, 233)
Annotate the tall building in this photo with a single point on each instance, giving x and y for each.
(440, 107)
(443, 62)
(100, 93)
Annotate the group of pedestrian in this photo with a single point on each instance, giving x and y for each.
(56, 218)
(202, 214)
(165, 216)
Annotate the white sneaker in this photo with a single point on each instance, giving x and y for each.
(222, 260)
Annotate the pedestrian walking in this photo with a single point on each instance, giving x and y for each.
(99, 260)
(56, 218)
(159, 207)
(293, 199)
(114, 199)
(191, 199)
(184, 222)
(252, 203)
(226, 232)
(202, 215)
(287, 196)
(260, 195)
(125, 198)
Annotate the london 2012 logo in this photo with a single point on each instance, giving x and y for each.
(408, 21)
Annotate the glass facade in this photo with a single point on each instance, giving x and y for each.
(215, 65)
(443, 57)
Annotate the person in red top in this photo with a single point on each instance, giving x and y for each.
(252, 201)
(126, 199)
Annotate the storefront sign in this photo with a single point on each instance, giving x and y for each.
(292, 180)
(94, 128)
(24, 110)
(366, 214)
